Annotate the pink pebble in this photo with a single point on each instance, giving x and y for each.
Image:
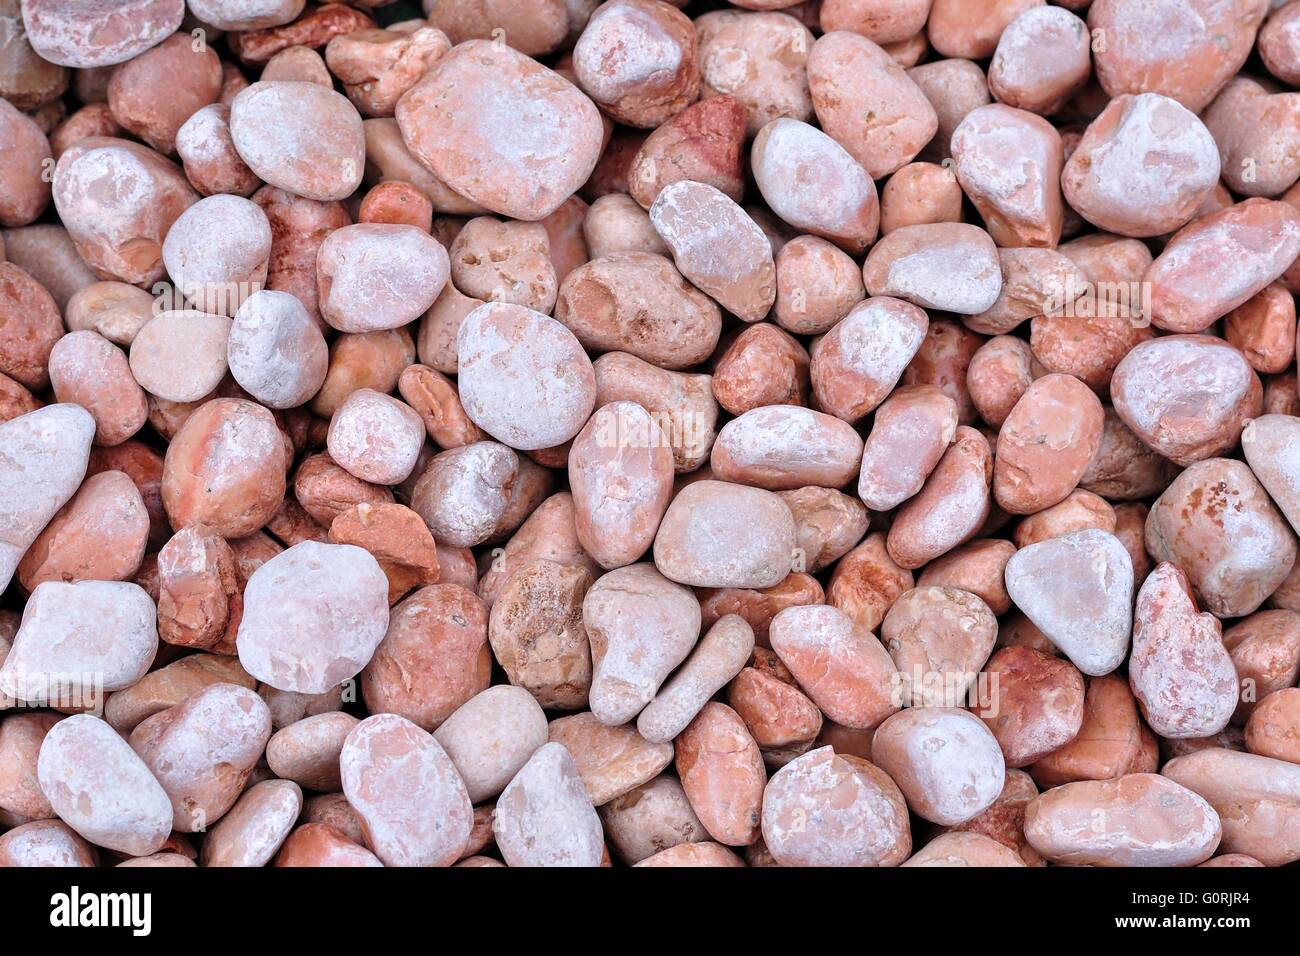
(307, 751)
(531, 139)
(216, 253)
(1181, 673)
(641, 626)
(813, 184)
(43, 457)
(208, 154)
(203, 749)
(252, 832)
(375, 437)
(87, 369)
(860, 360)
(413, 806)
(181, 356)
(827, 809)
(1077, 589)
(246, 14)
(947, 763)
(91, 33)
(722, 535)
(117, 200)
(783, 447)
(275, 351)
(100, 788)
(301, 137)
(313, 616)
(524, 378)
(464, 492)
(544, 816)
(621, 474)
(88, 636)
(373, 276)
(45, 843)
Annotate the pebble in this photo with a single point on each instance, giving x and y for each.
(299, 137)
(1144, 820)
(939, 639)
(491, 736)
(318, 844)
(45, 843)
(412, 804)
(44, 455)
(433, 658)
(715, 660)
(463, 492)
(313, 617)
(641, 626)
(610, 760)
(87, 369)
(838, 663)
(375, 437)
(717, 246)
(946, 762)
(1078, 589)
(1257, 799)
(719, 534)
(1121, 176)
(203, 750)
(722, 774)
(523, 377)
(80, 639)
(533, 145)
(859, 361)
(824, 809)
(307, 752)
(1046, 443)
(815, 184)
(224, 468)
(949, 266)
(101, 789)
(118, 200)
(1217, 523)
(544, 816)
(275, 351)
(100, 535)
(1268, 443)
(256, 827)
(621, 478)
(100, 32)
(375, 276)
(1186, 396)
(651, 819)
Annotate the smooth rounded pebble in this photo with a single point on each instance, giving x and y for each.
(719, 534)
(313, 616)
(945, 761)
(491, 736)
(412, 804)
(100, 788)
(544, 816)
(300, 137)
(826, 809)
(1078, 589)
(523, 377)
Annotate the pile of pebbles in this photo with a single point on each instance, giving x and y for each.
(857, 432)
